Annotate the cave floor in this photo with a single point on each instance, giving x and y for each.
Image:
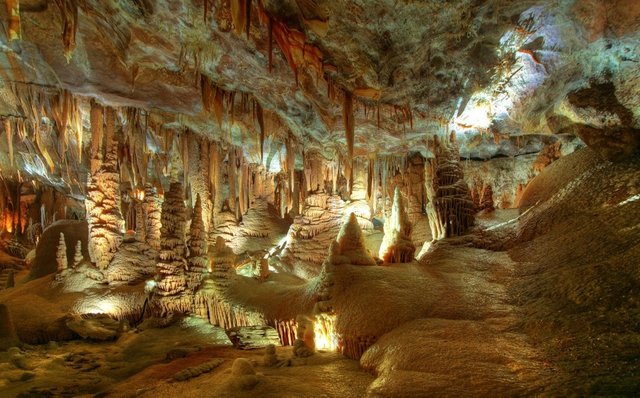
(137, 365)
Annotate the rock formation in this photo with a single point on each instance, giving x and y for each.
(61, 254)
(349, 246)
(106, 225)
(176, 176)
(152, 207)
(450, 209)
(172, 264)
(78, 256)
(197, 260)
(397, 246)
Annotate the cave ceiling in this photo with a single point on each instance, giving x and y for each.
(496, 72)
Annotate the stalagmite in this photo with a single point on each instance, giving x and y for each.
(152, 211)
(97, 132)
(171, 267)
(349, 128)
(397, 246)
(61, 254)
(450, 208)
(106, 225)
(141, 225)
(349, 246)
(78, 257)
(197, 261)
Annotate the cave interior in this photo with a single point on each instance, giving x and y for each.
(319, 198)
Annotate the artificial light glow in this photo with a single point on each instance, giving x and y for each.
(93, 305)
(630, 199)
(326, 338)
(281, 244)
(139, 194)
(478, 114)
(149, 286)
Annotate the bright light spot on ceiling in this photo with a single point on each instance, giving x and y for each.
(630, 199)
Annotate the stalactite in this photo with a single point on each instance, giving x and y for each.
(69, 11)
(242, 188)
(61, 110)
(13, 10)
(78, 128)
(248, 17)
(184, 154)
(290, 169)
(215, 175)
(286, 330)
(349, 128)
(207, 93)
(260, 117)
(8, 131)
(239, 15)
(231, 173)
(218, 106)
(206, 11)
(270, 41)
(199, 177)
(370, 173)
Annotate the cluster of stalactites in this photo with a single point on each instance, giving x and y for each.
(397, 246)
(450, 208)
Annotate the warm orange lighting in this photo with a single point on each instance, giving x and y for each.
(326, 338)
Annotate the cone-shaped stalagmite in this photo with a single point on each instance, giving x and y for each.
(397, 246)
(349, 247)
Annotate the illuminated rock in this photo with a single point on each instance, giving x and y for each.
(397, 246)
(61, 254)
(171, 267)
(349, 246)
(450, 208)
(197, 260)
